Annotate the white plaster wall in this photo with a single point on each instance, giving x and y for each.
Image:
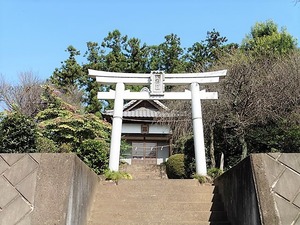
(153, 129)
(159, 129)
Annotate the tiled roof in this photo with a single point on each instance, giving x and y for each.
(141, 112)
(132, 102)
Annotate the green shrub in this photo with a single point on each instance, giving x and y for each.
(94, 153)
(175, 167)
(202, 179)
(214, 172)
(116, 175)
(45, 145)
(65, 148)
(17, 134)
(189, 157)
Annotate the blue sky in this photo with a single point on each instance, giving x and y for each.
(35, 33)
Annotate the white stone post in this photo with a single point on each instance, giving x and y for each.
(198, 130)
(115, 144)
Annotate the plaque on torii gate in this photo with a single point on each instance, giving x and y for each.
(157, 81)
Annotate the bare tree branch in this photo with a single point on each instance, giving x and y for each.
(25, 97)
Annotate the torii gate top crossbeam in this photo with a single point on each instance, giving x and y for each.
(127, 95)
(169, 79)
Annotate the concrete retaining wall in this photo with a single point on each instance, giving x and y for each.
(45, 189)
(280, 174)
(263, 189)
(237, 189)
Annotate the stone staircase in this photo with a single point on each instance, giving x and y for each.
(144, 171)
(156, 202)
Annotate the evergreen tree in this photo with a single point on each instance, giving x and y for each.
(266, 39)
(17, 134)
(69, 72)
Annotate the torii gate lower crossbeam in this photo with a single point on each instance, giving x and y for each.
(156, 81)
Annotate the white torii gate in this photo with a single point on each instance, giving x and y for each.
(157, 81)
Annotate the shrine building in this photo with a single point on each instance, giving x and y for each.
(149, 141)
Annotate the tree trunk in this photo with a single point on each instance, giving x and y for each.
(244, 146)
(212, 147)
(222, 162)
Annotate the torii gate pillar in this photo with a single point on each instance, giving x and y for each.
(199, 146)
(114, 156)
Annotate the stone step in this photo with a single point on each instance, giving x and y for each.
(170, 197)
(159, 216)
(158, 223)
(144, 173)
(163, 182)
(152, 206)
(180, 192)
(155, 188)
(148, 174)
(142, 170)
(153, 202)
(139, 166)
